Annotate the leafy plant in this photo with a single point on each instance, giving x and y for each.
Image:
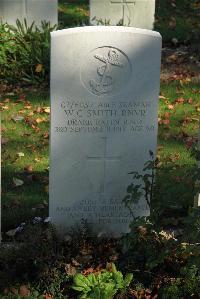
(144, 186)
(25, 52)
(103, 285)
(188, 286)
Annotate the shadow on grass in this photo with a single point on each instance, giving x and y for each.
(23, 203)
(73, 14)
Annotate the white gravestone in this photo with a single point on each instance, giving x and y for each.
(104, 92)
(31, 10)
(135, 13)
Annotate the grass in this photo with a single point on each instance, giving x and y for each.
(25, 157)
(25, 152)
(73, 14)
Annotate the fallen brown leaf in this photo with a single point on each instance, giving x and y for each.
(5, 107)
(166, 121)
(6, 100)
(45, 135)
(38, 68)
(70, 270)
(40, 120)
(35, 128)
(171, 107)
(180, 100)
(28, 169)
(27, 107)
(46, 109)
(190, 101)
(17, 118)
(24, 291)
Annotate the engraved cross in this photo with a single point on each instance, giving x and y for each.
(25, 9)
(125, 6)
(105, 158)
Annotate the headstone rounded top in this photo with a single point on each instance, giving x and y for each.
(120, 29)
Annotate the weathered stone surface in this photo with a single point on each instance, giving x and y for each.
(31, 10)
(135, 13)
(104, 101)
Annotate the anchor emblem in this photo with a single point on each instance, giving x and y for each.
(104, 72)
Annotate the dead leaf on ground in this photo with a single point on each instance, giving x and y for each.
(174, 157)
(29, 120)
(17, 118)
(28, 107)
(180, 100)
(24, 291)
(40, 120)
(11, 232)
(20, 154)
(31, 146)
(198, 109)
(70, 270)
(17, 182)
(22, 111)
(185, 81)
(26, 134)
(166, 122)
(166, 115)
(37, 159)
(38, 68)
(45, 135)
(31, 113)
(46, 109)
(35, 128)
(6, 100)
(172, 58)
(75, 262)
(190, 101)
(5, 107)
(39, 109)
(161, 97)
(171, 107)
(28, 169)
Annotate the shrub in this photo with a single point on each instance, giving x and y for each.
(25, 52)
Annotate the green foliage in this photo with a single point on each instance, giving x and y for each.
(73, 14)
(25, 52)
(31, 258)
(11, 296)
(104, 285)
(144, 187)
(187, 286)
(146, 249)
